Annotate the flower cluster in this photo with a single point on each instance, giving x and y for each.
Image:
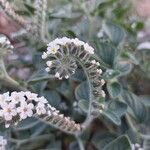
(54, 46)
(3, 143)
(18, 106)
(95, 77)
(60, 52)
(62, 56)
(5, 45)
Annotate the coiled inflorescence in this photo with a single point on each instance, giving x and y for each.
(3, 143)
(18, 106)
(5, 45)
(62, 56)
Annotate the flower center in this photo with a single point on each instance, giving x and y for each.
(25, 109)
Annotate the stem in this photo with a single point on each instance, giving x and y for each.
(6, 78)
(43, 23)
(88, 119)
(80, 143)
(130, 123)
(143, 136)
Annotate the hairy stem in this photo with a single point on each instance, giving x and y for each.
(89, 118)
(7, 79)
(80, 143)
(131, 125)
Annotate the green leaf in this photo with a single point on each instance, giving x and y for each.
(27, 124)
(124, 67)
(111, 74)
(78, 76)
(114, 32)
(38, 76)
(138, 25)
(130, 57)
(121, 143)
(53, 98)
(145, 99)
(29, 8)
(84, 105)
(114, 89)
(100, 140)
(115, 111)
(82, 91)
(38, 87)
(65, 12)
(105, 52)
(70, 33)
(146, 145)
(136, 107)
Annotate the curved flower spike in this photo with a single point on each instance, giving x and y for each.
(18, 106)
(3, 143)
(62, 56)
(10, 12)
(40, 18)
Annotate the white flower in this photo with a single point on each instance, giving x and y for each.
(42, 100)
(97, 63)
(17, 97)
(53, 108)
(31, 96)
(44, 56)
(66, 76)
(57, 75)
(4, 97)
(102, 82)
(57, 41)
(77, 42)
(40, 108)
(93, 62)
(8, 110)
(25, 110)
(99, 71)
(52, 49)
(65, 40)
(47, 69)
(88, 48)
(103, 93)
(49, 63)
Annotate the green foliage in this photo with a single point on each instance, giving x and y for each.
(136, 107)
(121, 143)
(115, 110)
(114, 89)
(114, 32)
(127, 104)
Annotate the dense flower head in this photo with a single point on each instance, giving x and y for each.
(63, 56)
(18, 106)
(59, 56)
(55, 45)
(3, 143)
